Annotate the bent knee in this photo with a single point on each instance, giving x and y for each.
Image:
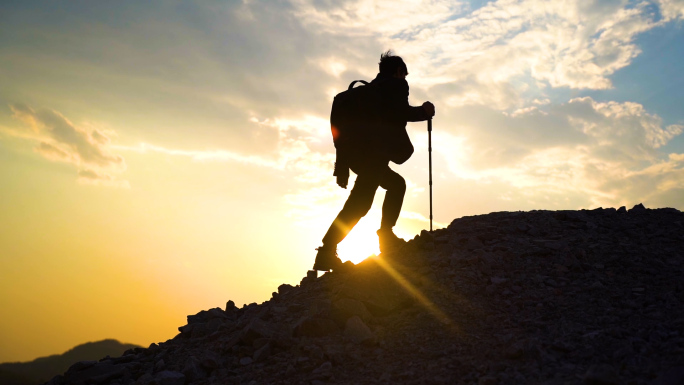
(400, 184)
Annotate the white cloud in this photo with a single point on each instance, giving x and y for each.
(608, 152)
(493, 55)
(302, 150)
(101, 179)
(280, 63)
(628, 125)
(202, 155)
(372, 17)
(59, 140)
(671, 9)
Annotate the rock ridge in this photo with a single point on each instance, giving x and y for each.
(553, 297)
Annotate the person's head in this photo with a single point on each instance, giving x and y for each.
(392, 65)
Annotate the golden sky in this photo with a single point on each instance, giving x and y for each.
(161, 158)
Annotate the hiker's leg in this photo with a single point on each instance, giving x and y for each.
(357, 205)
(394, 198)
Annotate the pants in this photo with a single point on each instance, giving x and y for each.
(371, 174)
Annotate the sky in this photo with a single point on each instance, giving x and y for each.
(160, 158)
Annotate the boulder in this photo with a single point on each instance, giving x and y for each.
(257, 328)
(344, 308)
(357, 331)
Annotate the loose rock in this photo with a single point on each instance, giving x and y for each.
(552, 297)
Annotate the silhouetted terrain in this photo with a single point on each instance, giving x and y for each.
(553, 297)
(44, 368)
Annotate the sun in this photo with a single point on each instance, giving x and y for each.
(362, 241)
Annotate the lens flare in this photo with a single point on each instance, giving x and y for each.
(409, 287)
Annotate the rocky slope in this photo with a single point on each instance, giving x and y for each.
(557, 297)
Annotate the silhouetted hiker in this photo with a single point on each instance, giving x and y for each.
(369, 159)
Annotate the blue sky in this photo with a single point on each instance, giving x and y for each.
(654, 78)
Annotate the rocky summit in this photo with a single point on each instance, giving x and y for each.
(540, 297)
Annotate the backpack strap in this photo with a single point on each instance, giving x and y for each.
(365, 83)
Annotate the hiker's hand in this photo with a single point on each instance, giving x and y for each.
(342, 180)
(342, 174)
(429, 108)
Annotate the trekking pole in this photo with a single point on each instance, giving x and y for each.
(430, 160)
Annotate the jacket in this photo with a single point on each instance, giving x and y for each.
(393, 142)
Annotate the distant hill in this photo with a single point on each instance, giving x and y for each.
(43, 369)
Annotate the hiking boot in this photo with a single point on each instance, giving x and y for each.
(388, 240)
(326, 259)
(344, 267)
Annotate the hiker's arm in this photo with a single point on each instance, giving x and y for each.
(411, 113)
(416, 114)
(397, 106)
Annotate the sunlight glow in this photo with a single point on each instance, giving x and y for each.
(362, 241)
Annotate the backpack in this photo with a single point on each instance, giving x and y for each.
(355, 115)
(357, 127)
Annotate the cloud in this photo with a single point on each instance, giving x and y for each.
(300, 149)
(203, 155)
(671, 9)
(497, 54)
(252, 81)
(371, 17)
(491, 70)
(564, 44)
(608, 151)
(95, 178)
(62, 141)
(52, 153)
